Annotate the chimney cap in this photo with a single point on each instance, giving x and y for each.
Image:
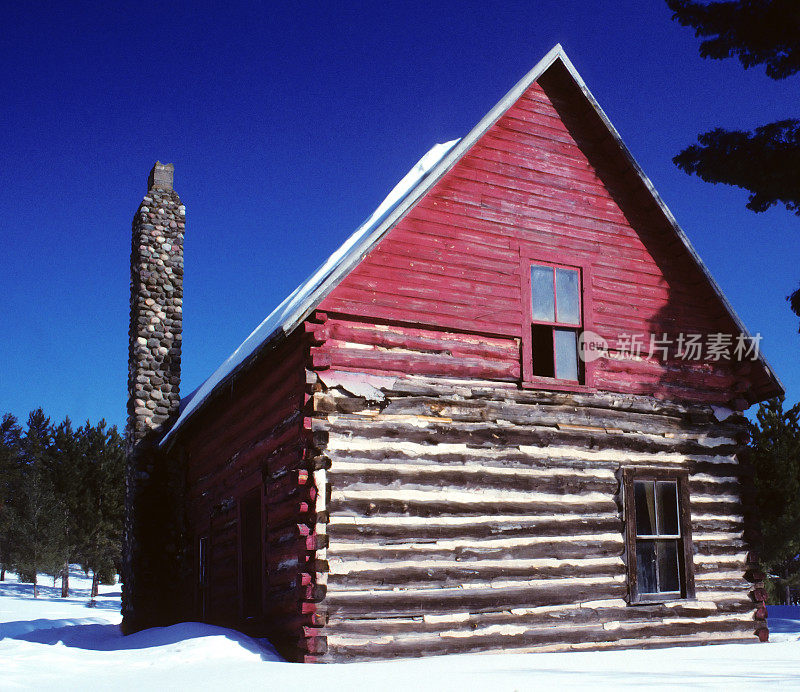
(161, 176)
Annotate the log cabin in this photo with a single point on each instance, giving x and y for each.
(506, 415)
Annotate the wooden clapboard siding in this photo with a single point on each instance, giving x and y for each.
(481, 518)
(252, 437)
(544, 181)
(345, 344)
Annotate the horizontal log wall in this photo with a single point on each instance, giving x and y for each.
(546, 180)
(254, 438)
(483, 518)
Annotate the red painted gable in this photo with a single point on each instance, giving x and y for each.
(447, 287)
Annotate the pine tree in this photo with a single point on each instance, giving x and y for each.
(34, 532)
(101, 521)
(9, 467)
(61, 498)
(757, 32)
(776, 481)
(764, 161)
(65, 476)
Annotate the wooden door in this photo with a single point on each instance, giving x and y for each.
(250, 555)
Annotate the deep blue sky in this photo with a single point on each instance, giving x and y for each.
(287, 124)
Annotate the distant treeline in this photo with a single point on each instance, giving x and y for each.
(61, 499)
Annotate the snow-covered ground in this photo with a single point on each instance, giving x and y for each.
(54, 643)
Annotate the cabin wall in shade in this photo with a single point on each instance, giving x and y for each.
(250, 442)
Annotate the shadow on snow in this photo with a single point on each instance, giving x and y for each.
(108, 637)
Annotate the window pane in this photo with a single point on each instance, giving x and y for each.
(566, 342)
(667, 558)
(667, 504)
(542, 342)
(646, 573)
(657, 567)
(645, 508)
(542, 298)
(568, 296)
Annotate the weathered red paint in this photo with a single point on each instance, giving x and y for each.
(536, 186)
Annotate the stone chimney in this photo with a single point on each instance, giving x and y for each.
(154, 352)
(153, 508)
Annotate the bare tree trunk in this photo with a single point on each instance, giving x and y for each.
(95, 584)
(65, 580)
(2, 573)
(35, 584)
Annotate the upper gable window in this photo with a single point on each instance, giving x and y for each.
(556, 322)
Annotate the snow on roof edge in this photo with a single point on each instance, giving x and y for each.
(282, 316)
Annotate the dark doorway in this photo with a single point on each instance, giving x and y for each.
(250, 552)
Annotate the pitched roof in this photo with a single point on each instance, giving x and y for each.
(421, 178)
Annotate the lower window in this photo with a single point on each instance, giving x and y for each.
(658, 535)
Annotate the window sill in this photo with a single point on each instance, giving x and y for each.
(551, 384)
(659, 600)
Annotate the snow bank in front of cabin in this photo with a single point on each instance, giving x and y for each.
(55, 644)
(295, 303)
